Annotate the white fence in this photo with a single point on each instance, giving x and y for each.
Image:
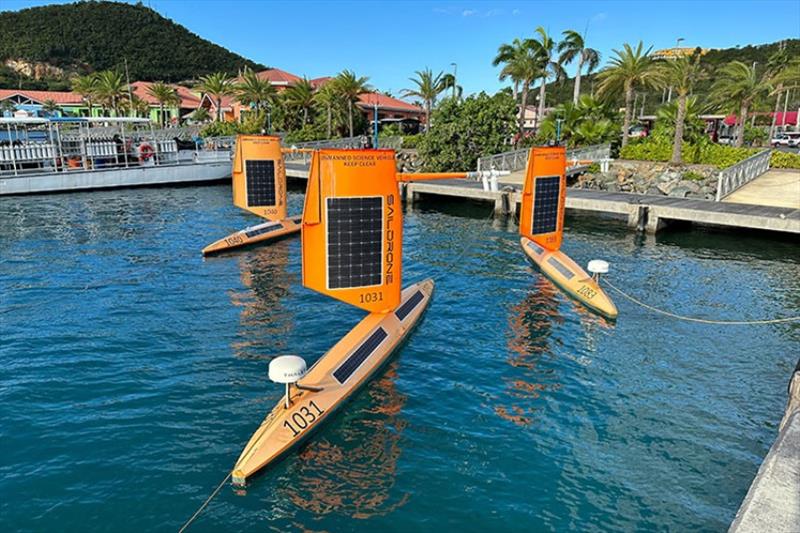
(518, 159)
(732, 178)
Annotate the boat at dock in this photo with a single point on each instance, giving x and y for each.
(42, 155)
(541, 227)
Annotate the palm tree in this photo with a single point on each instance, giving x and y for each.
(300, 97)
(629, 69)
(544, 47)
(326, 97)
(49, 107)
(200, 115)
(111, 87)
(681, 74)
(449, 82)
(738, 84)
(217, 85)
(428, 88)
(7, 106)
(522, 66)
(86, 86)
(349, 87)
(164, 94)
(254, 92)
(778, 62)
(574, 46)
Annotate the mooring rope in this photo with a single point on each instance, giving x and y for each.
(701, 320)
(205, 504)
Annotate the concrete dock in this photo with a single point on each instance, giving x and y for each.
(776, 188)
(642, 212)
(773, 501)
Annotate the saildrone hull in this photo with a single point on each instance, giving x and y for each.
(332, 381)
(262, 233)
(570, 277)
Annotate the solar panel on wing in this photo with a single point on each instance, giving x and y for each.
(355, 241)
(545, 205)
(260, 175)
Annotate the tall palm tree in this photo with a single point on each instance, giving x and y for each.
(681, 74)
(300, 97)
(521, 64)
(428, 88)
(49, 107)
(545, 47)
(449, 82)
(111, 88)
(217, 85)
(778, 62)
(349, 87)
(629, 69)
(327, 97)
(165, 95)
(738, 84)
(86, 86)
(574, 46)
(255, 92)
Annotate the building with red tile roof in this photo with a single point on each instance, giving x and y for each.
(278, 78)
(39, 97)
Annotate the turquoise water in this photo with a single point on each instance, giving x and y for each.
(132, 372)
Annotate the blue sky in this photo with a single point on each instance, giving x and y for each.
(388, 41)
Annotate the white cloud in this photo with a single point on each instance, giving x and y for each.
(468, 13)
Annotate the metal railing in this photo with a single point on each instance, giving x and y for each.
(743, 172)
(518, 159)
(305, 157)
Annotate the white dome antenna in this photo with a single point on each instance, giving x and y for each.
(597, 267)
(287, 369)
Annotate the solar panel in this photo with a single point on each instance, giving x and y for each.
(545, 205)
(262, 229)
(567, 273)
(403, 311)
(536, 248)
(357, 358)
(260, 175)
(355, 241)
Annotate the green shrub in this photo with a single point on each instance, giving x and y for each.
(411, 141)
(693, 176)
(309, 132)
(464, 130)
(704, 152)
(594, 168)
(219, 129)
(784, 160)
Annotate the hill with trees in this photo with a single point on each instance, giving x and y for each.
(52, 42)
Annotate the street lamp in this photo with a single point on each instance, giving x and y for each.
(677, 45)
(455, 73)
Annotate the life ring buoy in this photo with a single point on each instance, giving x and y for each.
(145, 152)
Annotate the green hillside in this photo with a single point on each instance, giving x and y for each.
(91, 36)
(557, 93)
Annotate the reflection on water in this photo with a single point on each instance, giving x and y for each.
(264, 319)
(350, 469)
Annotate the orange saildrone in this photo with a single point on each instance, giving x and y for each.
(259, 186)
(541, 226)
(352, 251)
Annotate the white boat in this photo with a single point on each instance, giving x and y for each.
(40, 155)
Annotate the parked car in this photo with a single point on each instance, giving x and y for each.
(726, 140)
(637, 131)
(790, 139)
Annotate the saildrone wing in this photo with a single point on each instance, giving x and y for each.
(544, 197)
(352, 228)
(259, 176)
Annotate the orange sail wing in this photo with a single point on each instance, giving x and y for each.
(352, 228)
(544, 196)
(259, 176)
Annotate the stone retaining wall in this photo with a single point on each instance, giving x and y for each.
(648, 177)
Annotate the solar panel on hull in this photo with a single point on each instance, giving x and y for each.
(567, 273)
(260, 175)
(260, 230)
(357, 358)
(355, 241)
(545, 205)
(403, 311)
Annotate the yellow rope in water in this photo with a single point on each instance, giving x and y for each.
(205, 504)
(701, 320)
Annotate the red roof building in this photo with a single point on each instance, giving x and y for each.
(278, 78)
(188, 99)
(39, 97)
